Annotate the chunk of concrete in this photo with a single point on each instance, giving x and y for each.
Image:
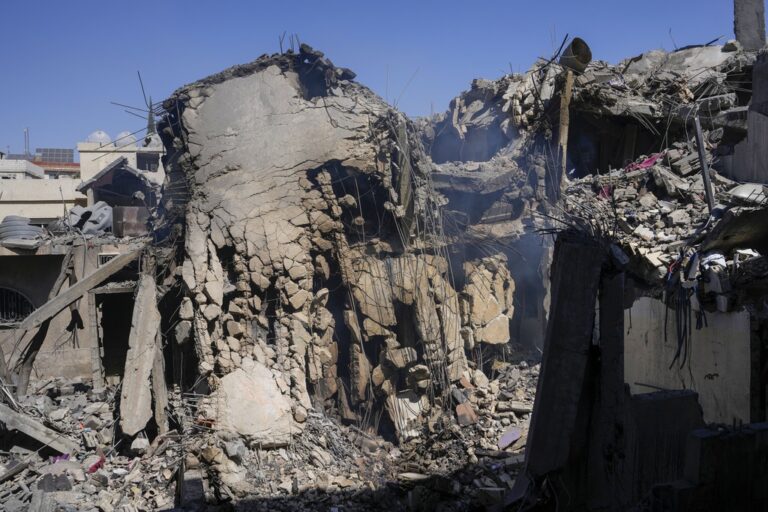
(136, 395)
(250, 404)
(749, 23)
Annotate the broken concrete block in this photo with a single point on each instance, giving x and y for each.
(233, 344)
(644, 233)
(298, 299)
(405, 409)
(371, 328)
(401, 357)
(136, 391)
(214, 290)
(300, 414)
(480, 380)
(250, 404)
(236, 450)
(183, 331)
(211, 312)
(495, 332)
(234, 329)
(54, 483)
(465, 414)
(679, 218)
(186, 311)
(140, 445)
(212, 455)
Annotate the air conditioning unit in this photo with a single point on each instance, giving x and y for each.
(104, 257)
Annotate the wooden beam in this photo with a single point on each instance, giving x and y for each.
(36, 430)
(54, 306)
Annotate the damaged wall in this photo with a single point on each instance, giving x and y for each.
(68, 340)
(315, 254)
(719, 363)
(67, 344)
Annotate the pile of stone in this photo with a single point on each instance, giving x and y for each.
(645, 101)
(459, 461)
(474, 460)
(657, 212)
(653, 211)
(67, 455)
(469, 460)
(318, 277)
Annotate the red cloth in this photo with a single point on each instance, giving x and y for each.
(648, 162)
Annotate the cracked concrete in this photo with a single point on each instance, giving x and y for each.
(309, 246)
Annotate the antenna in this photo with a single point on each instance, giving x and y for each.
(148, 114)
(151, 114)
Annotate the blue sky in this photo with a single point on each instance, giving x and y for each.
(63, 61)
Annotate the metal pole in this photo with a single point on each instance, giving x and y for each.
(704, 166)
(565, 119)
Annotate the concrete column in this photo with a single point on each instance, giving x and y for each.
(749, 23)
(555, 429)
(607, 450)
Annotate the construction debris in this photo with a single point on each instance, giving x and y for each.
(350, 310)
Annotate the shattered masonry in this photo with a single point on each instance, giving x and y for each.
(335, 304)
(330, 250)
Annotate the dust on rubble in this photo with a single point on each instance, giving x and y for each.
(448, 467)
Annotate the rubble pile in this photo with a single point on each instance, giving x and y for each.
(653, 211)
(349, 303)
(656, 212)
(79, 463)
(323, 268)
(640, 105)
(329, 464)
(455, 463)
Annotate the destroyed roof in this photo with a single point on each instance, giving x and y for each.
(321, 68)
(289, 257)
(105, 176)
(497, 117)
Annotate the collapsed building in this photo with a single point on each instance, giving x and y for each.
(330, 304)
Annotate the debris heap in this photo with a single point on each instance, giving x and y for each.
(351, 303)
(314, 265)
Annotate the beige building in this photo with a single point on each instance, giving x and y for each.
(99, 150)
(25, 191)
(19, 170)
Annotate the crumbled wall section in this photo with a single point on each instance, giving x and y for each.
(309, 238)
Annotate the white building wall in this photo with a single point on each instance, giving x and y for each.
(20, 169)
(94, 157)
(719, 365)
(38, 199)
